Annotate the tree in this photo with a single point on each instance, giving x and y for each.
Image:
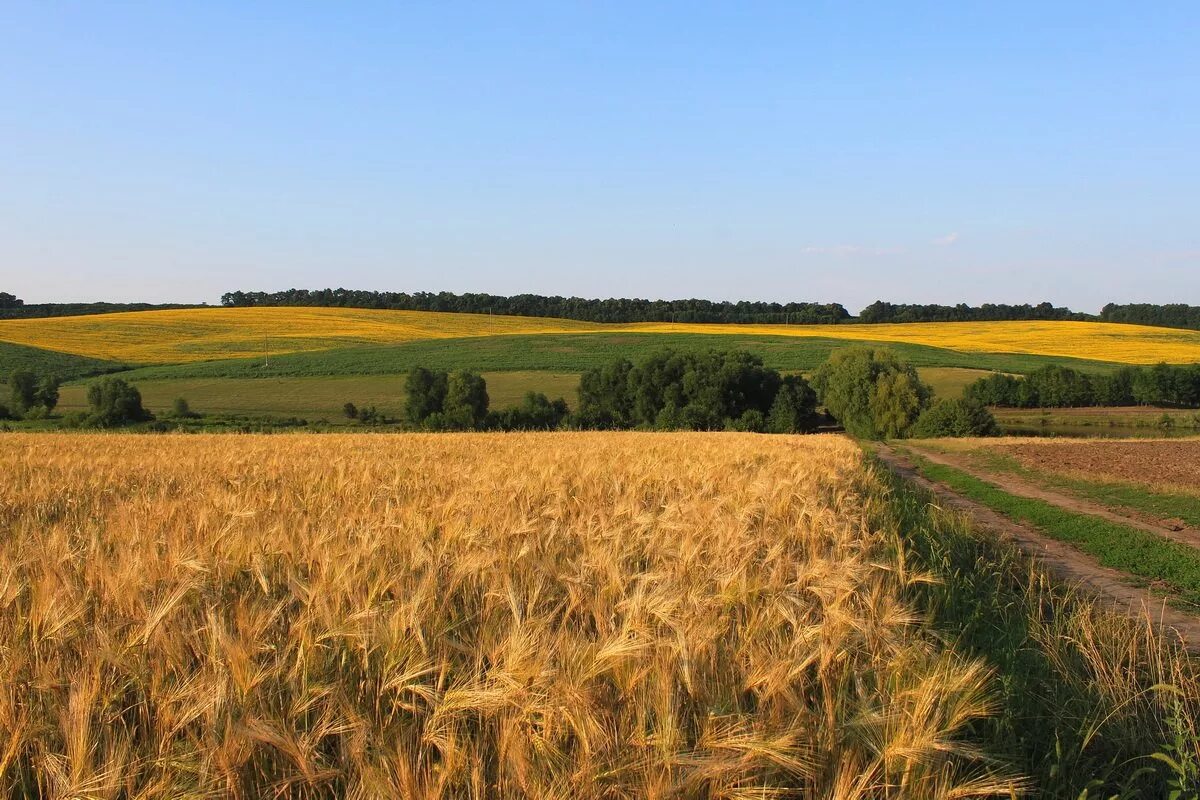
(22, 387)
(10, 300)
(47, 392)
(114, 402)
(426, 394)
(604, 397)
(180, 408)
(958, 417)
(794, 409)
(350, 410)
(466, 404)
(535, 413)
(871, 392)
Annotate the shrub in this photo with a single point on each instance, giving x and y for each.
(958, 417)
(350, 410)
(22, 387)
(181, 409)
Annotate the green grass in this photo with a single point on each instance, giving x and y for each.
(575, 353)
(1135, 552)
(319, 397)
(50, 362)
(1055, 722)
(1112, 494)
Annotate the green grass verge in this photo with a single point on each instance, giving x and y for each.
(1051, 650)
(50, 362)
(1115, 495)
(575, 353)
(1140, 554)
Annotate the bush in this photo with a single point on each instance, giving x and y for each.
(180, 409)
(871, 392)
(350, 410)
(114, 402)
(535, 413)
(794, 409)
(959, 417)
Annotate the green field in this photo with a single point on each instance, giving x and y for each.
(64, 365)
(315, 397)
(576, 353)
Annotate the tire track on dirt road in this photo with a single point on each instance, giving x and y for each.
(1109, 586)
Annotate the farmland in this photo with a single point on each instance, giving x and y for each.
(625, 615)
(180, 336)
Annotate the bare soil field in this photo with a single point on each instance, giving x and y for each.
(1174, 463)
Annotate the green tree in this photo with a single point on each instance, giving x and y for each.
(426, 392)
(350, 410)
(794, 409)
(22, 387)
(871, 392)
(114, 402)
(47, 392)
(181, 409)
(466, 404)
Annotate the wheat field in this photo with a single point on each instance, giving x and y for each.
(467, 616)
(187, 335)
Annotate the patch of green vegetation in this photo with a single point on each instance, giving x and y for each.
(1121, 497)
(578, 353)
(1135, 552)
(1056, 721)
(313, 397)
(51, 362)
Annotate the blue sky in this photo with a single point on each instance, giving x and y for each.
(916, 152)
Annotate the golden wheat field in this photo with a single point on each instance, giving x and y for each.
(185, 335)
(466, 616)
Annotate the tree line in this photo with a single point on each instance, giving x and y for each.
(112, 402)
(535, 305)
(13, 307)
(1063, 387)
(870, 392)
(880, 311)
(1175, 315)
(1171, 315)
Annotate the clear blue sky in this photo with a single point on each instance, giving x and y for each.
(919, 152)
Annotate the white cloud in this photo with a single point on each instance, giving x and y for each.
(947, 240)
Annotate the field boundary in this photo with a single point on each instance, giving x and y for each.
(1024, 488)
(1062, 561)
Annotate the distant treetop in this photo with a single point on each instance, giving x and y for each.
(535, 305)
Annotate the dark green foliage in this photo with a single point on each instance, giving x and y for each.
(958, 417)
(1172, 315)
(444, 401)
(534, 305)
(180, 409)
(47, 392)
(673, 390)
(426, 392)
(535, 413)
(114, 402)
(879, 311)
(21, 310)
(466, 405)
(871, 392)
(10, 301)
(4, 412)
(22, 390)
(1064, 387)
(350, 410)
(794, 409)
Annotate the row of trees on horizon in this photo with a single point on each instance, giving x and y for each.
(1173, 315)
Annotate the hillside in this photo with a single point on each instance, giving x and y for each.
(190, 335)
